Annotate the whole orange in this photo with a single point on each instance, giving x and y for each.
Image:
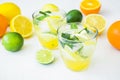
(113, 34)
(3, 25)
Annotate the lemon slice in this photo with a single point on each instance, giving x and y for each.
(96, 20)
(44, 57)
(54, 22)
(50, 7)
(49, 41)
(22, 25)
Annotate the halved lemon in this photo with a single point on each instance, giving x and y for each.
(95, 20)
(50, 7)
(90, 6)
(22, 25)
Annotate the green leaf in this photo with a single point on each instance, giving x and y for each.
(44, 15)
(66, 43)
(69, 37)
(74, 26)
(47, 11)
(81, 53)
(86, 30)
(41, 18)
(66, 35)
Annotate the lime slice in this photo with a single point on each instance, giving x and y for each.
(44, 57)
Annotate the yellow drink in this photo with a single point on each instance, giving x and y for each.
(45, 25)
(76, 65)
(76, 46)
(46, 39)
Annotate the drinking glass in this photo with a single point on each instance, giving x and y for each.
(46, 24)
(77, 44)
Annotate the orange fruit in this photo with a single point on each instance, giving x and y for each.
(90, 6)
(3, 25)
(113, 34)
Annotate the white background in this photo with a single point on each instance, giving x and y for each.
(22, 65)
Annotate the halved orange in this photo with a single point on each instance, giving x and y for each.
(90, 6)
(22, 25)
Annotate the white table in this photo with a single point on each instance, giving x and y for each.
(22, 65)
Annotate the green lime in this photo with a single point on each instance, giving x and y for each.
(12, 41)
(44, 56)
(74, 16)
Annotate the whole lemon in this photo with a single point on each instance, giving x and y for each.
(9, 10)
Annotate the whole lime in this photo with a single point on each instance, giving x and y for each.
(12, 41)
(74, 16)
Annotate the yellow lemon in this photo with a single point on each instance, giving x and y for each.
(95, 20)
(9, 10)
(22, 25)
(50, 7)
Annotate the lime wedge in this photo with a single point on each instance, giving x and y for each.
(45, 56)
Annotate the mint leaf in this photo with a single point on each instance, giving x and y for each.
(66, 35)
(47, 11)
(86, 30)
(66, 43)
(73, 26)
(44, 15)
(81, 52)
(41, 18)
(69, 37)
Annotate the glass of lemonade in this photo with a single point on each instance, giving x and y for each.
(46, 24)
(77, 44)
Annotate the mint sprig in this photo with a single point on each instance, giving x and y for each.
(43, 15)
(69, 37)
(73, 26)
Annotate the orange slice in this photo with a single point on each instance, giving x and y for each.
(90, 6)
(22, 25)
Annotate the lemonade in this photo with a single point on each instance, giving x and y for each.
(76, 45)
(46, 24)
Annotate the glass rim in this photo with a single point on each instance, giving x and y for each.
(76, 41)
(60, 11)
